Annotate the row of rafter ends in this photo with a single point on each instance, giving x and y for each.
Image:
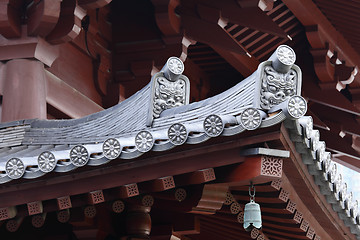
(114, 196)
(291, 208)
(324, 170)
(34, 162)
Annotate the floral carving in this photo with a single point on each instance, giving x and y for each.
(177, 134)
(271, 166)
(15, 168)
(297, 106)
(213, 125)
(277, 87)
(250, 118)
(79, 156)
(168, 94)
(144, 141)
(111, 148)
(46, 161)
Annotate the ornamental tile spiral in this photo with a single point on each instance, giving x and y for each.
(111, 148)
(297, 106)
(213, 126)
(144, 141)
(46, 161)
(177, 134)
(250, 118)
(15, 168)
(79, 156)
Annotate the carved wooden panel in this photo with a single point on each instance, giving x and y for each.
(229, 198)
(118, 206)
(6, 213)
(13, 225)
(63, 216)
(235, 208)
(291, 206)
(38, 220)
(168, 182)
(276, 184)
(90, 211)
(304, 225)
(240, 217)
(131, 190)
(317, 237)
(298, 217)
(310, 233)
(96, 197)
(284, 195)
(147, 200)
(271, 166)
(254, 233)
(260, 237)
(180, 194)
(34, 208)
(209, 174)
(64, 202)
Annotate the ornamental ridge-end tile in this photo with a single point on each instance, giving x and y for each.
(250, 119)
(111, 148)
(46, 161)
(177, 134)
(213, 125)
(79, 156)
(144, 141)
(15, 168)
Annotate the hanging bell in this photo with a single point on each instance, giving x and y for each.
(252, 212)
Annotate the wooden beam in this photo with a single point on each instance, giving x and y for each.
(309, 15)
(67, 99)
(139, 170)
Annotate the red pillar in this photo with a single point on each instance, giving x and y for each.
(24, 90)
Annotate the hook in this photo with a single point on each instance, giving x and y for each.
(252, 195)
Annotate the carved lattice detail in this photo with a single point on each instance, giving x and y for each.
(34, 208)
(284, 195)
(96, 197)
(276, 184)
(304, 225)
(291, 206)
(209, 174)
(260, 237)
(317, 237)
(254, 233)
(132, 190)
(118, 206)
(64, 202)
(147, 201)
(298, 217)
(229, 198)
(90, 211)
(12, 225)
(180, 194)
(240, 217)
(6, 213)
(38, 221)
(168, 182)
(310, 233)
(235, 208)
(63, 216)
(271, 166)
